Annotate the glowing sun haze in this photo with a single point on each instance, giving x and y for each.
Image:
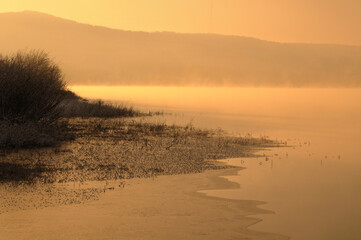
(308, 21)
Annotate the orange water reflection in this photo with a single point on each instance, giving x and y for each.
(314, 188)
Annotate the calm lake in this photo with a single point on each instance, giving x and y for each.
(312, 186)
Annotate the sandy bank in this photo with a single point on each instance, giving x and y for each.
(167, 207)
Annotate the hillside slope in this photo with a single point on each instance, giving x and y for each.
(98, 55)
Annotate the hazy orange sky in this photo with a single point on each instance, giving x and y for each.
(309, 21)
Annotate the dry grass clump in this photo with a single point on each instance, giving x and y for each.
(78, 107)
(135, 129)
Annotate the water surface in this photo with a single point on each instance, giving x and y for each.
(313, 186)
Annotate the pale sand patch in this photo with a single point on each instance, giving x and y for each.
(167, 207)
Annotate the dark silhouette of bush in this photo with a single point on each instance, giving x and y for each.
(31, 87)
(33, 98)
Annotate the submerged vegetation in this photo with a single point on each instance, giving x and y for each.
(108, 149)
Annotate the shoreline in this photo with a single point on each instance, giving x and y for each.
(111, 150)
(166, 207)
(120, 175)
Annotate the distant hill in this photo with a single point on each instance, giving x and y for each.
(98, 55)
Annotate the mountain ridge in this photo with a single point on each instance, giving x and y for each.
(37, 13)
(104, 56)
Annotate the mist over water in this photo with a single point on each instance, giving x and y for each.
(251, 110)
(312, 186)
(280, 113)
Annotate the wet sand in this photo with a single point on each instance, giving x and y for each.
(167, 207)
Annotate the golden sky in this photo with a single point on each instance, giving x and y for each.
(309, 21)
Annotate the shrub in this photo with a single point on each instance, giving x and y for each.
(31, 87)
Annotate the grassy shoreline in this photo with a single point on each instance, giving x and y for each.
(106, 149)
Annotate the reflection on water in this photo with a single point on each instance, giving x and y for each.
(312, 188)
(314, 196)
